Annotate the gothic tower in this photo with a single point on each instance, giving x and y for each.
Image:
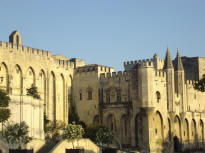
(179, 79)
(168, 67)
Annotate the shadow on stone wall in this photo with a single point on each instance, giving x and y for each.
(174, 144)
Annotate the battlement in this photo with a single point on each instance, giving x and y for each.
(86, 69)
(191, 82)
(114, 75)
(160, 73)
(27, 50)
(64, 63)
(138, 64)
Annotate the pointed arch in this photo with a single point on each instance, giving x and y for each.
(42, 87)
(201, 131)
(17, 80)
(4, 77)
(96, 119)
(52, 97)
(139, 132)
(60, 104)
(169, 129)
(186, 131)
(124, 129)
(159, 130)
(111, 122)
(177, 127)
(193, 131)
(177, 134)
(30, 78)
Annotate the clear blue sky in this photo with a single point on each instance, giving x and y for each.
(107, 32)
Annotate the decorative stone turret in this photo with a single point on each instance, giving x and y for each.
(178, 62)
(168, 61)
(168, 67)
(179, 79)
(15, 38)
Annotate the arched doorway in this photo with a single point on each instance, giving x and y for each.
(159, 132)
(138, 130)
(177, 134)
(193, 132)
(124, 129)
(111, 122)
(176, 144)
(186, 131)
(96, 119)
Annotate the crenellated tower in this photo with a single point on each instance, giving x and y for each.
(179, 79)
(168, 67)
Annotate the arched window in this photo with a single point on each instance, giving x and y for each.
(96, 119)
(89, 93)
(107, 96)
(118, 91)
(80, 95)
(158, 96)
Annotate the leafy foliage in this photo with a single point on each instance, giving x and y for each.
(4, 99)
(54, 130)
(104, 135)
(73, 115)
(4, 103)
(4, 114)
(16, 134)
(91, 132)
(99, 134)
(73, 132)
(33, 91)
(200, 85)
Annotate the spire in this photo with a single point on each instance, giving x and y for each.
(155, 55)
(178, 62)
(168, 61)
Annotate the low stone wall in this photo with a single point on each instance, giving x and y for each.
(85, 144)
(35, 144)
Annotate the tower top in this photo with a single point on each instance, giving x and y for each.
(15, 38)
(178, 62)
(168, 61)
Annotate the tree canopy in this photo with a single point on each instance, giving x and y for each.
(33, 91)
(72, 132)
(16, 134)
(99, 134)
(4, 103)
(200, 85)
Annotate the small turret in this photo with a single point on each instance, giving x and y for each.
(178, 62)
(15, 38)
(168, 61)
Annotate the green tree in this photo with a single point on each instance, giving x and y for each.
(16, 134)
(73, 132)
(4, 104)
(104, 136)
(33, 91)
(54, 130)
(99, 134)
(200, 85)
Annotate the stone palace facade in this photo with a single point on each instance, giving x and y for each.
(152, 105)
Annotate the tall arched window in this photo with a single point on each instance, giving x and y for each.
(89, 93)
(158, 96)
